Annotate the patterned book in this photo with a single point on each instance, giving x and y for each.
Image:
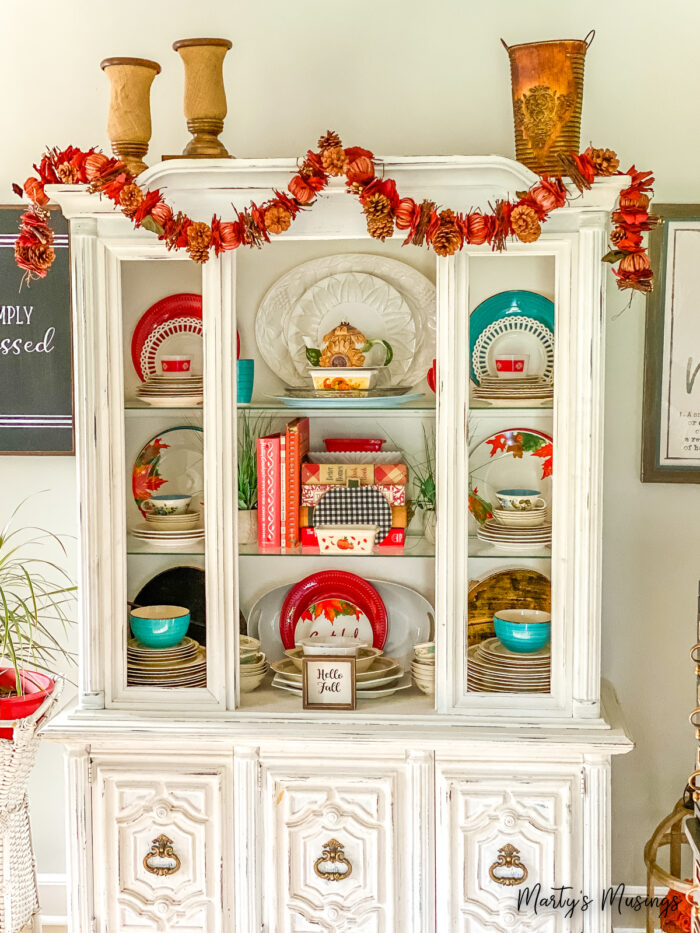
(283, 486)
(269, 490)
(297, 447)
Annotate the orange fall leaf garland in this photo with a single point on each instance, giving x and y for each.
(440, 229)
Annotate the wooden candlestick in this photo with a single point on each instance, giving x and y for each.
(129, 119)
(205, 97)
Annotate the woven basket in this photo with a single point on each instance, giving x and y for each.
(547, 85)
(19, 902)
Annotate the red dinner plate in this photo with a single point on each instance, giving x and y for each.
(334, 584)
(170, 309)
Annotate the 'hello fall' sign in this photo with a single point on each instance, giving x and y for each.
(36, 391)
(329, 682)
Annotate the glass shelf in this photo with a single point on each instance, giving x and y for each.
(135, 404)
(479, 548)
(482, 406)
(426, 408)
(416, 546)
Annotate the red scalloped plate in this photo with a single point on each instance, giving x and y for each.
(167, 310)
(335, 584)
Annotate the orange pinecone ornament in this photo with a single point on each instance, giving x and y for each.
(277, 219)
(68, 173)
(198, 241)
(525, 224)
(617, 234)
(130, 199)
(605, 161)
(377, 205)
(330, 140)
(446, 239)
(334, 160)
(41, 255)
(380, 227)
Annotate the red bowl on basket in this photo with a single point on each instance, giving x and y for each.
(353, 444)
(35, 686)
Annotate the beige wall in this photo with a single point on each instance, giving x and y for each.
(417, 77)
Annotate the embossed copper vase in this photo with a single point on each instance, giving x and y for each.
(129, 119)
(205, 97)
(547, 85)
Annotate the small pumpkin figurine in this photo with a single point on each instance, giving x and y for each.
(346, 346)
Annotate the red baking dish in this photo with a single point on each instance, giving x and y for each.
(334, 584)
(35, 686)
(352, 444)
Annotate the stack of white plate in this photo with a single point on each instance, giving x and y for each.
(381, 679)
(187, 521)
(177, 537)
(492, 668)
(423, 668)
(180, 390)
(515, 392)
(525, 537)
(183, 665)
(532, 518)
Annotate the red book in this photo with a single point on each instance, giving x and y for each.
(269, 491)
(297, 447)
(283, 486)
(395, 538)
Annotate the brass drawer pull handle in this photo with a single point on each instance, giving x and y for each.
(502, 869)
(161, 849)
(333, 855)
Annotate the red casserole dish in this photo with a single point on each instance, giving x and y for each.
(353, 444)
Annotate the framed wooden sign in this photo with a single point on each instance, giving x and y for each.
(329, 682)
(36, 365)
(671, 405)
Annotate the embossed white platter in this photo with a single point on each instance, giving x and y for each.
(286, 311)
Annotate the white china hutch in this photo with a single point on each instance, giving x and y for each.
(426, 796)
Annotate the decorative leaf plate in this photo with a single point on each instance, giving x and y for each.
(170, 462)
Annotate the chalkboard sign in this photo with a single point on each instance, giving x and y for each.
(36, 371)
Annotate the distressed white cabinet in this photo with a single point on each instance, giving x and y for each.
(159, 838)
(411, 812)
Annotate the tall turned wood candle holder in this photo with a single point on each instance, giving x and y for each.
(129, 119)
(205, 97)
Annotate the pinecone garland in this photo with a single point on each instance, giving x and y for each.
(525, 223)
(377, 205)
(617, 234)
(334, 160)
(277, 219)
(605, 161)
(447, 238)
(198, 241)
(380, 227)
(40, 255)
(130, 199)
(331, 140)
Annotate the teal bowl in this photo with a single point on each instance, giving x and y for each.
(523, 630)
(159, 626)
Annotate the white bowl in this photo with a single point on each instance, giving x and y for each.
(343, 647)
(248, 684)
(346, 539)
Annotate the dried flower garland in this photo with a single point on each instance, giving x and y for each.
(442, 230)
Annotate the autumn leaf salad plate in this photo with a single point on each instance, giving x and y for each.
(167, 482)
(510, 489)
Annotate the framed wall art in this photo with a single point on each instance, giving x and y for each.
(36, 364)
(671, 404)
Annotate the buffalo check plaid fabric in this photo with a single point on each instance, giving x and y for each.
(364, 505)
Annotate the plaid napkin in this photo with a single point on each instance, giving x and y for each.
(363, 505)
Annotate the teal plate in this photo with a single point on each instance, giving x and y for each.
(506, 306)
(386, 401)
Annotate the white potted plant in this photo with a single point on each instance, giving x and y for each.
(248, 433)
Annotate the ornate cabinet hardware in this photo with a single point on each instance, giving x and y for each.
(333, 855)
(161, 849)
(502, 869)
